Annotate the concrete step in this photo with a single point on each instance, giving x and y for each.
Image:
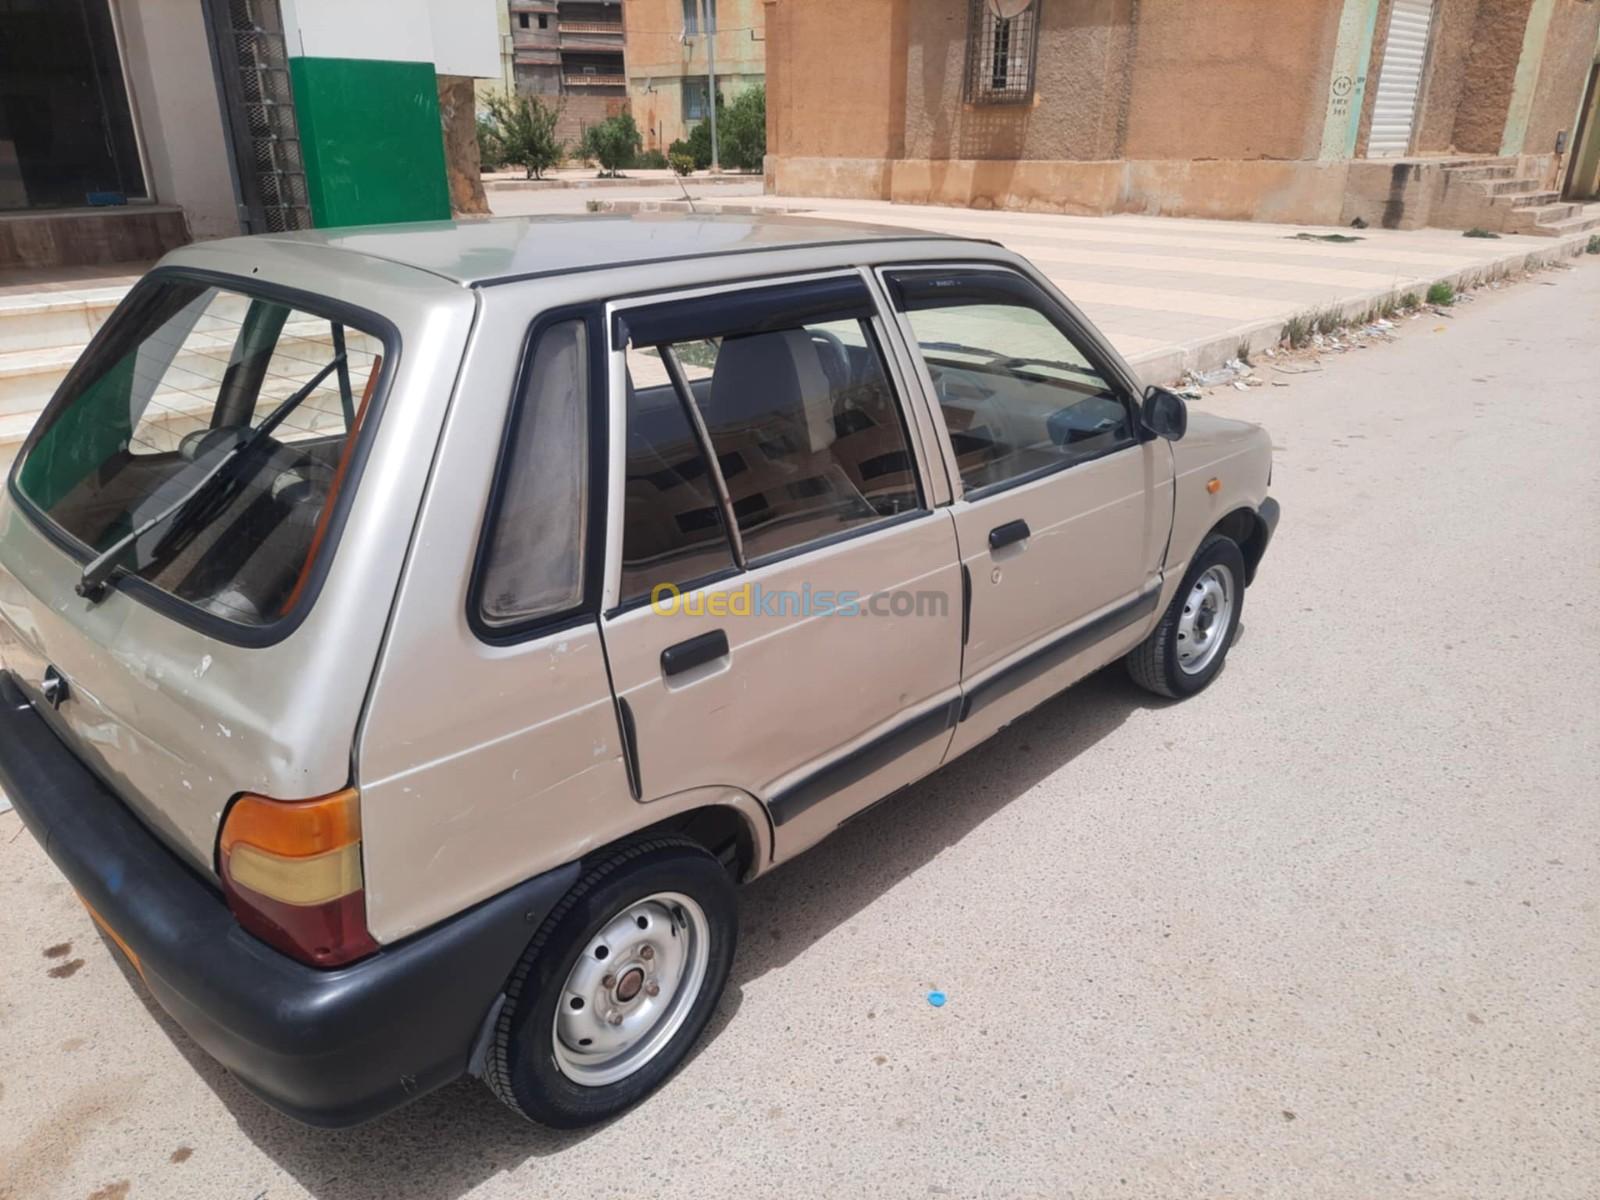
(49, 320)
(1526, 199)
(1513, 187)
(1496, 172)
(28, 378)
(1585, 219)
(1535, 218)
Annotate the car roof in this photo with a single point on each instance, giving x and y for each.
(483, 251)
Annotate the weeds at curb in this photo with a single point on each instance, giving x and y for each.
(1442, 295)
(1594, 244)
(1475, 232)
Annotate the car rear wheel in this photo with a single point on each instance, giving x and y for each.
(616, 986)
(1186, 649)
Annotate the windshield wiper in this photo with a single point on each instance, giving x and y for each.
(92, 583)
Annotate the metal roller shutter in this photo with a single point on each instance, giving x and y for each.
(1394, 110)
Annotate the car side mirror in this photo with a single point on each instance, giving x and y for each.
(1164, 413)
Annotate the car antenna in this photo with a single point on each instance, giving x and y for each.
(685, 189)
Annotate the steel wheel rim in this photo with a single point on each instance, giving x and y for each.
(631, 989)
(1207, 619)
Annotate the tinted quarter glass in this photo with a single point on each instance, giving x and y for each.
(178, 387)
(535, 565)
(1019, 395)
(673, 531)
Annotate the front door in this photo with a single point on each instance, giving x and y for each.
(785, 601)
(1064, 508)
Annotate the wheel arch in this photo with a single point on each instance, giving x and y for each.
(1246, 528)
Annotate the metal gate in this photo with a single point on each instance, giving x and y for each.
(1405, 55)
(252, 65)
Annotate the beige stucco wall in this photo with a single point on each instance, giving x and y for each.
(1243, 79)
(660, 59)
(836, 78)
(1569, 52)
(179, 113)
(1455, 25)
(1080, 90)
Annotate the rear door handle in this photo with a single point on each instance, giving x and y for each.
(1008, 534)
(697, 651)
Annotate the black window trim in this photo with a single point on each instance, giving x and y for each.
(233, 633)
(1018, 285)
(720, 298)
(592, 314)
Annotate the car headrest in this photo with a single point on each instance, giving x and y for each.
(767, 378)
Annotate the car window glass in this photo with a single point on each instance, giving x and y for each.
(535, 562)
(168, 413)
(806, 430)
(1018, 395)
(673, 530)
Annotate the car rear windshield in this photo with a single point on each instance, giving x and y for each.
(202, 443)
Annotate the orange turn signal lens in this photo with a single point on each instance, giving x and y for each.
(294, 829)
(291, 870)
(1214, 486)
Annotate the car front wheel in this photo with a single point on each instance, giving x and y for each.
(1187, 648)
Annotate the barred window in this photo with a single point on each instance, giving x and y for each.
(1002, 46)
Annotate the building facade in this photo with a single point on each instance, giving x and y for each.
(1319, 111)
(575, 52)
(668, 43)
(128, 127)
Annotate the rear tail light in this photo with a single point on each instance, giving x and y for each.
(291, 870)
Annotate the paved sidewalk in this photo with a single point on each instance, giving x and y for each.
(1175, 294)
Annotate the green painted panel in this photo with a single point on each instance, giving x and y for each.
(369, 131)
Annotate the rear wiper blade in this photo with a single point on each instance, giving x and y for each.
(92, 583)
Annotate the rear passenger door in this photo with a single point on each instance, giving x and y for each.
(784, 602)
(1063, 507)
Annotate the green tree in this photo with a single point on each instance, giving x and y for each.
(490, 156)
(613, 143)
(742, 130)
(524, 130)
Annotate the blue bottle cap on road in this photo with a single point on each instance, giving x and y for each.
(936, 999)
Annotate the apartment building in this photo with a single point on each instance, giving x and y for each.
(574, 50)
(669, 42)
(1456, 113)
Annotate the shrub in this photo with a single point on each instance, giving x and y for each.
(683, 164)
(490, 155)
(1441, 295)
(613, 143)
(1476, 232)
(699, 145)
(742, 130)
(651, 160)
(1594, 244)
(524, 132)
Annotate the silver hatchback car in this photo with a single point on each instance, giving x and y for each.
(412, 635)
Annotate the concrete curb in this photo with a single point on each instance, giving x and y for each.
(556, 185)
(1168, 364)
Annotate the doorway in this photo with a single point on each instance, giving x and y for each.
(1583, 170)
(66, 127)
(1405, 57)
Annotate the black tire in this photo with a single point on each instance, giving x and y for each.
(521, 1066)
(1153, 664)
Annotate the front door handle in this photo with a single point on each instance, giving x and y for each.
(697, 651)
(1008, 534)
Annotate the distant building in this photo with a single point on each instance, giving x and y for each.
(1397, 112)
(574, 50)
(667, 80)
(129, 128)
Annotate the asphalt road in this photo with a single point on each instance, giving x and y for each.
(1329, 929)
